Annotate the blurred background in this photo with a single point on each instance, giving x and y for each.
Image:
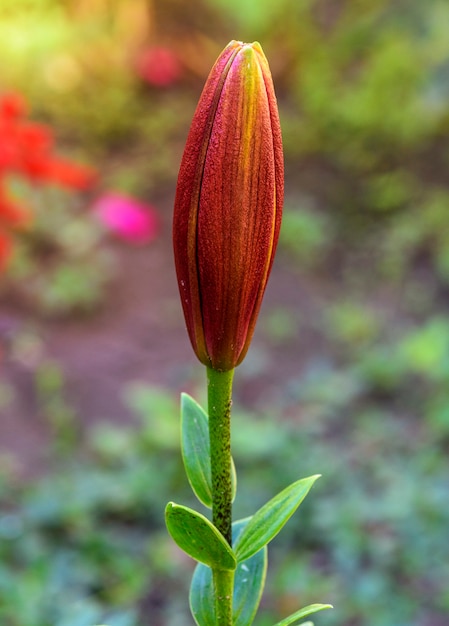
(348, 373)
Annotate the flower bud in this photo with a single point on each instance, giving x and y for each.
(228, 205)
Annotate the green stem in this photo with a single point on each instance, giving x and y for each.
(223, 589)
(219, 393)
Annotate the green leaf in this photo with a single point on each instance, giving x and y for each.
(248, 586)
(268, 521)
(305, 612)
(198, 537)
(202, 601)
(195, 447)
(249, 582)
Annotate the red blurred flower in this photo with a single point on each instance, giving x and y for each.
(12, 217)
(131, 220)
(70, 174)
(26, 149)
(12, 106)
(158, 66)
(5, 249)
(33, 144)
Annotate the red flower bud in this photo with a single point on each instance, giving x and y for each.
(228, 205)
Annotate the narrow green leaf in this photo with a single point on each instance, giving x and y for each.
(305, 612)
(195, 447)
(249, 582)
(268, 521)
(201, 598)
(198, 537)
(248, 586)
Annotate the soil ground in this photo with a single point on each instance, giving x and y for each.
(138, 334)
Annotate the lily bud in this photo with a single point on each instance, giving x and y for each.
(228, 205)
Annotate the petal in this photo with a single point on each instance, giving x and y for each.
(237, 210)
(187, 199)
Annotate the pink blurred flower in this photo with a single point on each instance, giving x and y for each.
(127, 218)
(158, 66)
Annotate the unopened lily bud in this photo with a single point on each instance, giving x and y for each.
(228, 205)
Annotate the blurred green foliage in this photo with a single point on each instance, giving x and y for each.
(63, 262)
(363, 90)
(87, 543)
